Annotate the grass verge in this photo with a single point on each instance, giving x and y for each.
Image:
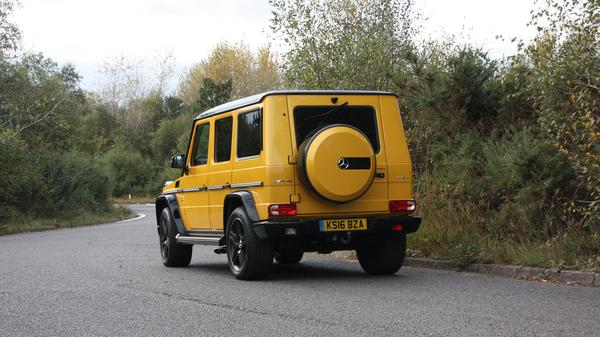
(81, 218)
(450, 234)
(134, 200)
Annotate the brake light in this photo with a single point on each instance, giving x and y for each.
(282, 209)
(402, 205)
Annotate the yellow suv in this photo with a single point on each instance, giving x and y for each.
(286, 172)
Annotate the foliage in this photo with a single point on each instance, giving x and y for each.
(505, 151)
(171, 137)
(40, 100)
(518, 180)
(10, 35)
(129, 170)
(71, 181)
(99, 128)
(566, 62)
(249, 72)
(212, 94)
(71, 218)
(45, 183)
(344, 44)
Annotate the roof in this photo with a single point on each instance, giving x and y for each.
(242, 102)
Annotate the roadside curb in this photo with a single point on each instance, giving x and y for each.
(589, 279)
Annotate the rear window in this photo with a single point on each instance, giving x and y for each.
(309, 119)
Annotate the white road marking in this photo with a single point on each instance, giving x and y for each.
(140, 216)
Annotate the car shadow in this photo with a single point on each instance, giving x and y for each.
(309, 270)
(219, 268)
(314, 271)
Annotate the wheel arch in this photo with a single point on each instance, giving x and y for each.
(169, 201)
(239, 199)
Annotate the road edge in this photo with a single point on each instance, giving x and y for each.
(589, 279)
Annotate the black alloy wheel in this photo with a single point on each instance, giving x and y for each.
(236, 248)
(173, 254)
(249, 257)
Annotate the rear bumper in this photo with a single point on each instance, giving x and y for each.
(377, 227)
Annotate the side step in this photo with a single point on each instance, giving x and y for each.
(198, 240)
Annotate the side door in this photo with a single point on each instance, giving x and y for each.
(219, 179)
(193, 199)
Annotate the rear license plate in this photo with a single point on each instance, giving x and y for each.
(343, 225)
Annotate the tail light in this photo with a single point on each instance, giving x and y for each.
(282, 209)
(402, 205)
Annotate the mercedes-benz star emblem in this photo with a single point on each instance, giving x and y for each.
(343, 163)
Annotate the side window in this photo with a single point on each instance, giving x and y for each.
(223, 139)
(249, 137)
(200, 149)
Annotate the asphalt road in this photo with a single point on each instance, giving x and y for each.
(108, 280)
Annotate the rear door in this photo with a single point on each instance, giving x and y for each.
(362, 112)
(219, 177)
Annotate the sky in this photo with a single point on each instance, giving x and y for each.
(86, 33)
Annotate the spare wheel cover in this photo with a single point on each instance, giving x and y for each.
(338, 163)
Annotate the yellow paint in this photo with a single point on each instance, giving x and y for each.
(323, 169)
(276, 166)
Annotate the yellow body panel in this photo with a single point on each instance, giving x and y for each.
(375, 199)
(400, 175)
(194, 206)
(219, 174)
(274, 172)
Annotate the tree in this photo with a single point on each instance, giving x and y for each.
(249, 72)
(124, 82)
(165, 67)
(565, 56)
(39, 100)
(10, 36)
(344, 44)
(212, 94)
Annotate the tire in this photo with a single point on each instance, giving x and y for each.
(173, 254)
(383, 259)
(249, 257)
(289, 256)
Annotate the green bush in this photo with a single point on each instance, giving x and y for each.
(518, 181)
(171, 137)
(48, 183)
(130, 171)
(19, 180)
(526, 182)
(71, 181)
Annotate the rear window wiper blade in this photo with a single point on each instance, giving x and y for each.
(328, 112)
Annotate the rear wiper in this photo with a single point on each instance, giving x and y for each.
(327, 112)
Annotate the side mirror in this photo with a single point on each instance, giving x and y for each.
(178, 162)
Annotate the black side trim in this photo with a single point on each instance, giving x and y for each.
(247, 200)
(171, 201)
